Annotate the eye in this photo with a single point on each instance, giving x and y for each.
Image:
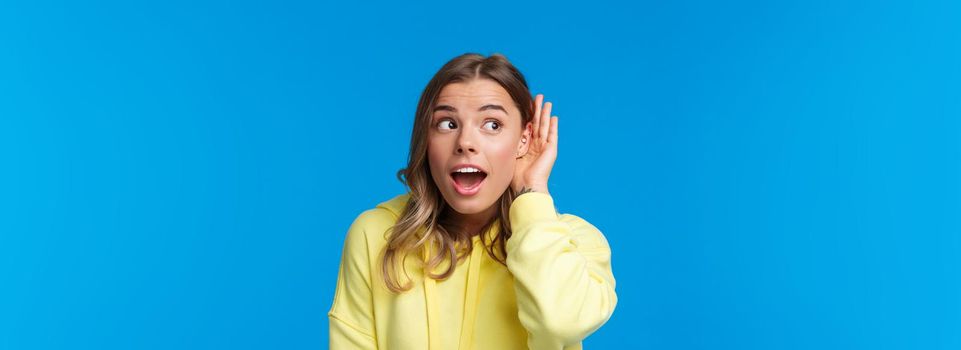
(446, 124)
(494, 125)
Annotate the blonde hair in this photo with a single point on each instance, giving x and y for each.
(426, 206)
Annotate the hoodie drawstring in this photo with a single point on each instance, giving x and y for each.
(470, 300)
(433, 323)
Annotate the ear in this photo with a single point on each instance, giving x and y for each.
(525, 141)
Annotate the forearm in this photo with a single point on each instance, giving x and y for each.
(563, 281)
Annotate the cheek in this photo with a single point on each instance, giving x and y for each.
(435, 155)
(502, 159)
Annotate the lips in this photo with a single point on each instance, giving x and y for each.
(468, 183)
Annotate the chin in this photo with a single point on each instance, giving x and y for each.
(468, 209)
(473, 204)
(468, 206)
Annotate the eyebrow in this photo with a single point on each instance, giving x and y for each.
(483, 108)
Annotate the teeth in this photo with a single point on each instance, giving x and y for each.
(467, 170)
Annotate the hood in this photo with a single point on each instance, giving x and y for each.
(395, 205)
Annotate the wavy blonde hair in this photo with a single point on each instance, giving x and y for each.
(426, 208)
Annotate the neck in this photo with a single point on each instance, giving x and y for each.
(471, 224)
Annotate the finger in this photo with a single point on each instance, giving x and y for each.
(536, 117)
(545, 122)
(549, 153)
(552, 138)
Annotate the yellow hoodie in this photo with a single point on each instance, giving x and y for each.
(556, 289)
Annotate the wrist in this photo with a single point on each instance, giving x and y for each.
(527, 188)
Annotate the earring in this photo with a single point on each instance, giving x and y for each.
(524, 140)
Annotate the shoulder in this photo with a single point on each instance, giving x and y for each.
(371, 226)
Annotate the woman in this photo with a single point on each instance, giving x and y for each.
(523, 276)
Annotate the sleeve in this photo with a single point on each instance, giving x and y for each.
(562, 273)
(351, 313)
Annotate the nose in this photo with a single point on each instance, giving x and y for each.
(465, 143)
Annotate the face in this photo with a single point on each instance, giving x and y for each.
(474, 124)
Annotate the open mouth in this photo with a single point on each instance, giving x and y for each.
(468, 183)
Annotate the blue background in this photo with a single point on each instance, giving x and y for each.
(770, 175)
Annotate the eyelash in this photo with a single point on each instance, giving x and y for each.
(498, 123)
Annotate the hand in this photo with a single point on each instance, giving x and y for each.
(534, 167)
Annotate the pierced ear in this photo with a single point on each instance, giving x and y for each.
(525, 141)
